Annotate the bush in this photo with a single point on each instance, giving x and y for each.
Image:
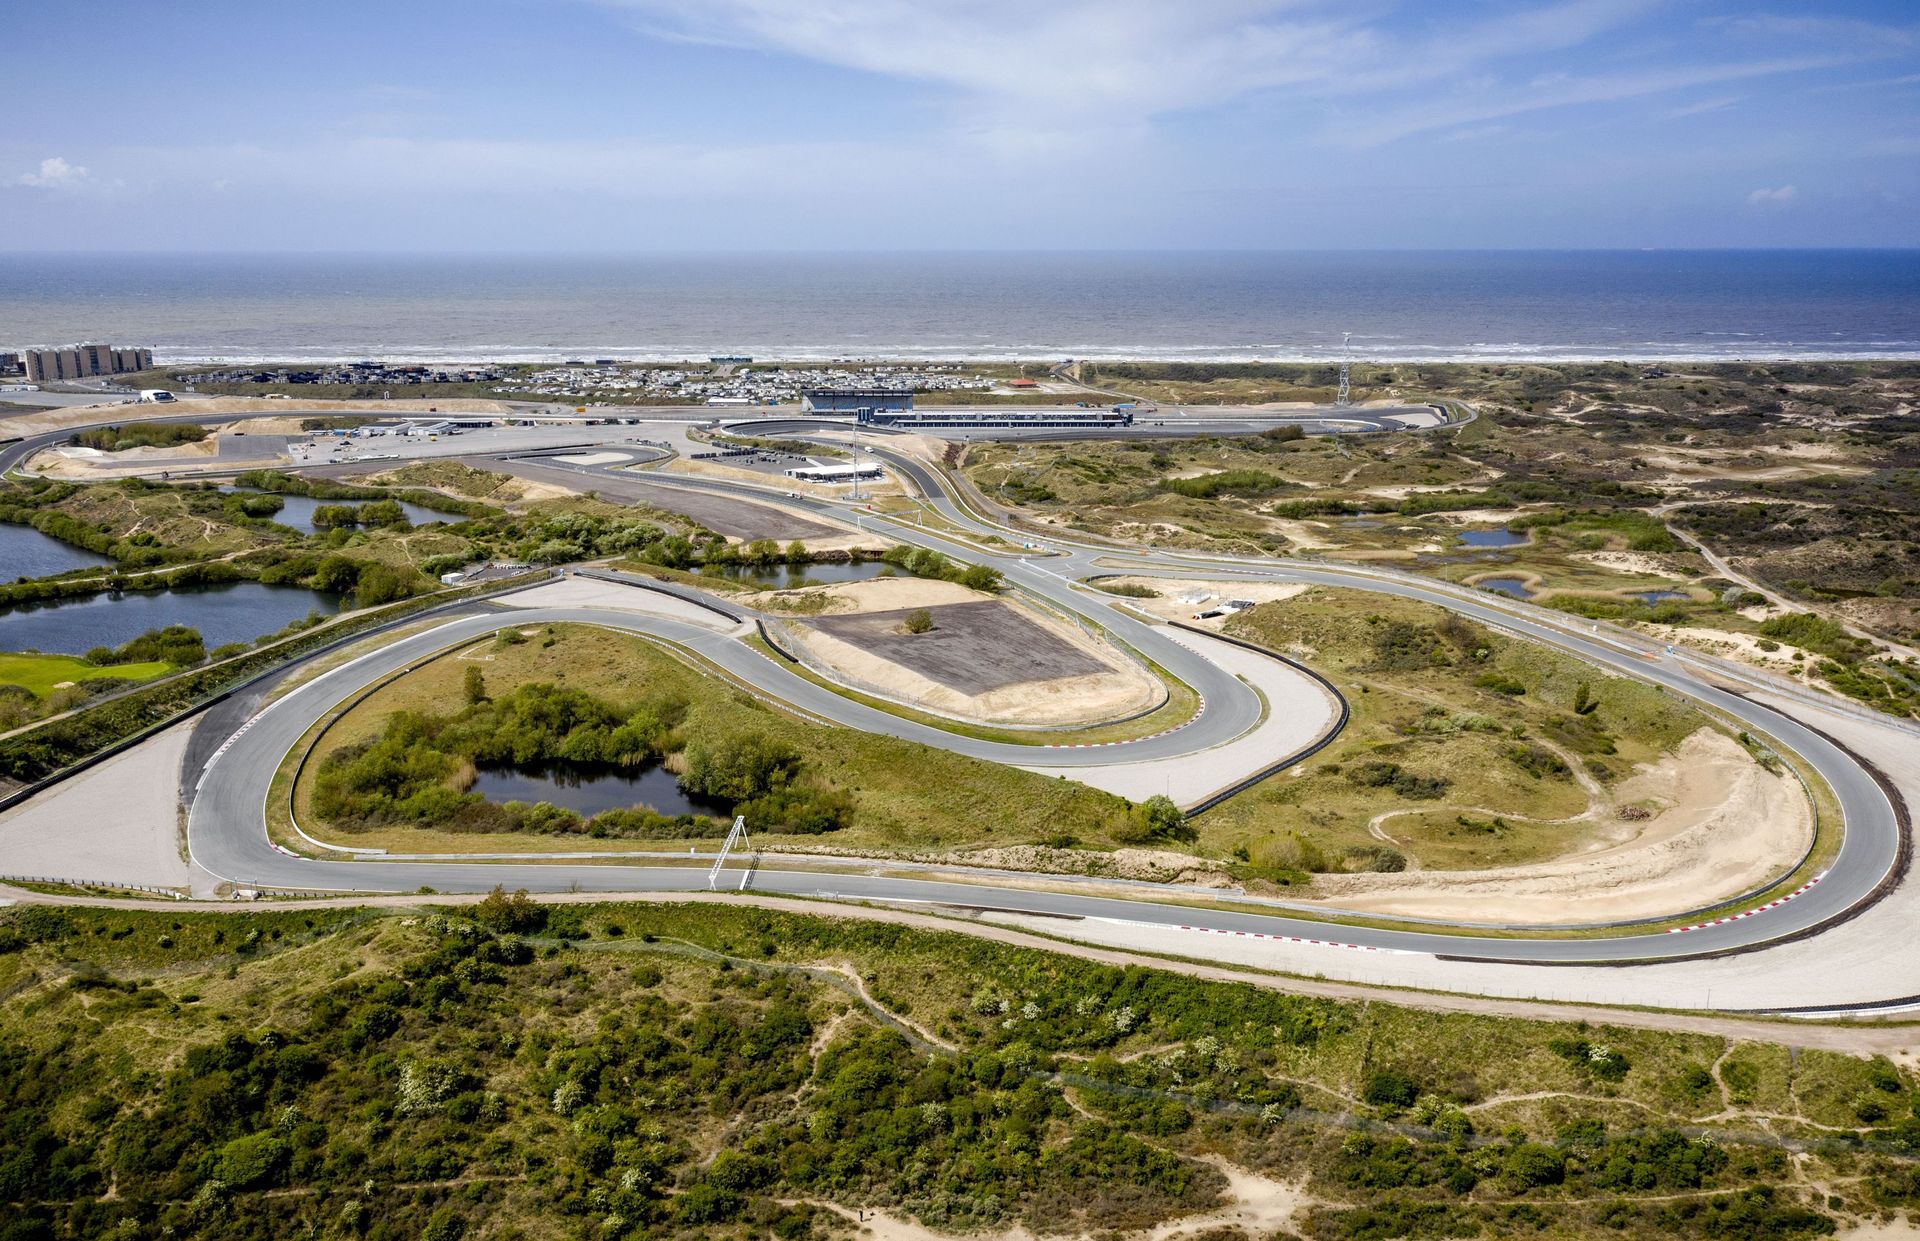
(1156, 818)
(740, 768)
(1226, 482)
(1378, 773)
(1386, 1088)
(1531, 1164)
(257, 1160)
(515, 914)
(140, 435)
(918, 621)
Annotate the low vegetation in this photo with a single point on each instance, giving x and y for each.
(139, 435)
(510, 1069)
(1450, 721)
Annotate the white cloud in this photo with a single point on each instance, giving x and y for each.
(1022, 76)
(55, 174)
(1773, 198)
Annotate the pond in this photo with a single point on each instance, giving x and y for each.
(231, 612)
(788, 576)
(1659, 596)
(1496, 537)
(589, 788)
(25, 552)
(1511, 586)
(297, 511)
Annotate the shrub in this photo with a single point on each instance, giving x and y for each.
(918, 621)
(513, 914)
(1378, 773)
(255, 1160)
(1390, 1089)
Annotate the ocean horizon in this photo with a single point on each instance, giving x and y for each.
(1198, 306)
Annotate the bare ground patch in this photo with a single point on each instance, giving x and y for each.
(1720, 825)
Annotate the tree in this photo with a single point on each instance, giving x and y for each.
(979, 577)
(740, 768)
(475, 685)
(1158, 818)
(796, 552)
(336, 574)
(335, 516)
(381, 583)
(918, 621)
(513, 914)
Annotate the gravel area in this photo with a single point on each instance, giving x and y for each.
(972, 647)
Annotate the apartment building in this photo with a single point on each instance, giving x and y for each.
(85, 361)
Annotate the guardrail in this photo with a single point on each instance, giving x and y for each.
(95, 883)
(1325, 739)
(655, 584)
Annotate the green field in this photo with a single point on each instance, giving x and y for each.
(40, 675)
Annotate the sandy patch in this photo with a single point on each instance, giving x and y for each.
(1170, 604)
(1899, 1228)
(1722, 825)
(880, 594)
(594, 458)
(1629, 562)
(1119, 688)
(1308, 536)
(1482, 516)
(1257, 1205)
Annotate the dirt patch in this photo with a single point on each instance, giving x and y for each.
(1148, 865)
(878, 594)
(1720, 824)
(1182, 598)
(1629, 562)
(985, 660)
(973, 647)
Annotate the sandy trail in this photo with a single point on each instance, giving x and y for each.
(1723, 825)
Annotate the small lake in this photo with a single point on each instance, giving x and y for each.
(231, 612)
(788, 576)
(1493, 538)
(25, 552)
(297, 511)
(1512, 586)
(588, 789)
(1659, 596)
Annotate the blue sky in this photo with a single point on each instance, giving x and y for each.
(584, 125)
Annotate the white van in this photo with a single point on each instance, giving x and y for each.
(155, 396)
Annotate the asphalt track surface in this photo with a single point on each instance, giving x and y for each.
(226, 824)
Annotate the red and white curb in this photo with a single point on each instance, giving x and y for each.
(1294, 939)
(1095, 745)
(1165, 732)
(1773, 904)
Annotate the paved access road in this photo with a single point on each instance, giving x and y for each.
(227, 833)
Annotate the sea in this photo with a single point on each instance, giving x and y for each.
(1192, 306)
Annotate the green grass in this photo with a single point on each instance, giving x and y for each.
(41, 674)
